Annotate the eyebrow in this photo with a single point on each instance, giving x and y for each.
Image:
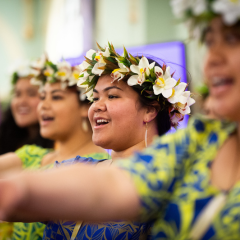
(107, 89)
(57, 90)
(53, 91)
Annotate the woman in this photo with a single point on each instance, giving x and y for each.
(118, 115)
(20, 123)
(125, 121)
(60, 98)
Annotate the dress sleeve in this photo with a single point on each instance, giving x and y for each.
(155, 171)
(31, 155)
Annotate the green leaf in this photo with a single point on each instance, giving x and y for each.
(102, 49)
(93, 56)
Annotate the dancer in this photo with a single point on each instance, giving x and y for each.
(20, 125)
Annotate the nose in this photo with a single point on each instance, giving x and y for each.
(44, 103)
(99, 106)
(23, 99)
(215, 56)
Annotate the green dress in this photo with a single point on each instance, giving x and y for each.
(172, 178)
(31, 156)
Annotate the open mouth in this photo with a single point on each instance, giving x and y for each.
(222, 81)
(47, 118)
(100, 122)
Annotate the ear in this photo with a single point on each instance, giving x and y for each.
(84, 110)
(150, 114)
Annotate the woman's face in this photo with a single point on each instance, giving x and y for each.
(24, 103)
(59, 112)
(116, 116)
(222, 69)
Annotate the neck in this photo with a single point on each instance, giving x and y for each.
(73, 145)
(152, 132)
(33, 131)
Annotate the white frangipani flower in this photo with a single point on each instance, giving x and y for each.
(74, 77)
(36, 82)
(142, 69)
(176, 118)
(64, 71)
(164, 83)
(185, 108)
(100, 61)
(82, 94)
(21, 67)
(89, 95)
(117, 73)
(48, 72)
(230, 9)
(179, 94)
(181, 6)
(39, 64)
(83, 79)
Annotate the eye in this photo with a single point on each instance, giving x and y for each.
(209, 41)
(32, 94)
(57, 97)
(231, 38)
(42, 97)
(95, 99)
(112, 96)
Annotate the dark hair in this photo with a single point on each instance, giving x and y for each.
(13, 137)
(163, 118)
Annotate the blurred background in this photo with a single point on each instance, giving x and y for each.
(68, 28)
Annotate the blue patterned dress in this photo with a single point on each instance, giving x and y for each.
(122, 230)
(31, 157)
(172, 178)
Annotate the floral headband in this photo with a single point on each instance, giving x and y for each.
(198, 13)
(44, 71)
(152, 81)
(20, 69)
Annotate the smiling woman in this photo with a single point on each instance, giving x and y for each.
(20, 124)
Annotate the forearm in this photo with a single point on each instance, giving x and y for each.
(78, 192)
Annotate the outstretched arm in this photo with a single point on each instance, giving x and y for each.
(77, 192)
(9, 162)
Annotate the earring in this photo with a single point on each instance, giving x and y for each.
(85, 125)
(146, 134)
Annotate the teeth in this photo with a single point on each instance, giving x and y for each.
(220, 80)
(102, 120)
(23, 110)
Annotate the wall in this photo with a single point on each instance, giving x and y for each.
(17, 41)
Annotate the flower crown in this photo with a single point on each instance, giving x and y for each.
(154, 82)
(198, 13)
(45, 71)
(20, 69)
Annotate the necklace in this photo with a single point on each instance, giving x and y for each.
(215, 205)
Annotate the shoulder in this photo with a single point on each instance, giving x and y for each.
(31, 155)
(98, 155)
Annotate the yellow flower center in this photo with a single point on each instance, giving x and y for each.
(61, 74)
(142, 70)
(76, 75)
(173, 92)
(160, 82)
(47, 73)
(116, 70)
(181, 105)
(97, 58)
